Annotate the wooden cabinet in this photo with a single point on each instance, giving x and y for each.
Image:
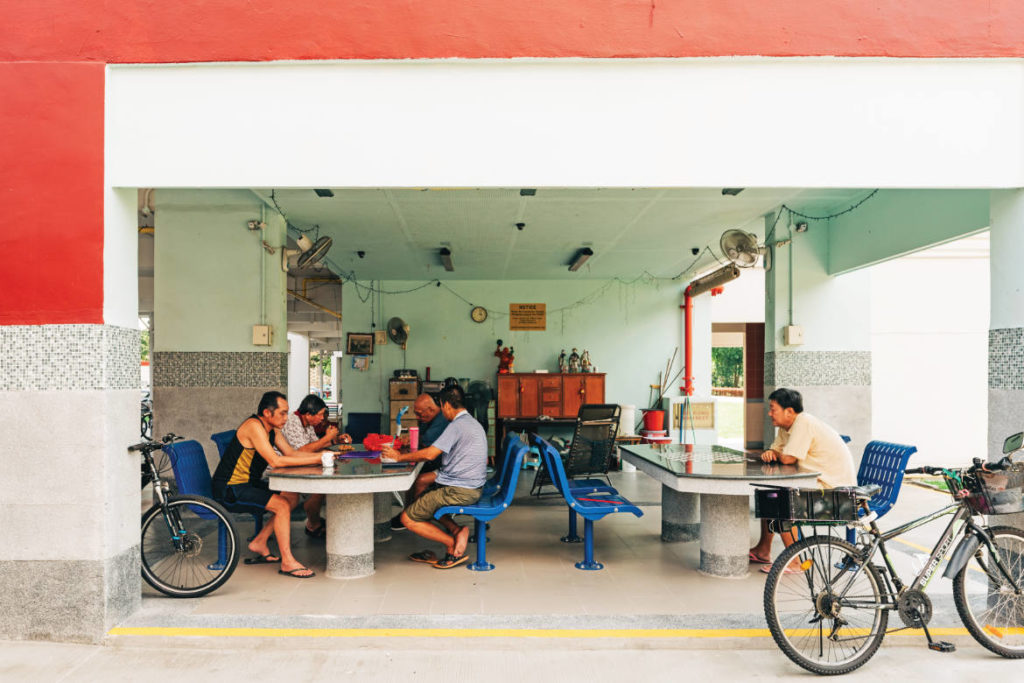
(556, 396)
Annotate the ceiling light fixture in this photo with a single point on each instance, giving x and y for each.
(582, 254)
(446, 259)
(324, 193)
(527, 192)
(732, 191)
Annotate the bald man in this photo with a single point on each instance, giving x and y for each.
(432, 424)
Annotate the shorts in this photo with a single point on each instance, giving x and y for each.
(423, 508)
(243, 497)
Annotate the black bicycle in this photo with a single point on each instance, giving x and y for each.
(189, 543)
(827, 601)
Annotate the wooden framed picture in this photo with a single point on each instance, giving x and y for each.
(359, 344)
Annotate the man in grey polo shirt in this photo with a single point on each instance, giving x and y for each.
(462, 448)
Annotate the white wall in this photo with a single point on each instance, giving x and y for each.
(298, 367)
(738, 122)
(930, 356)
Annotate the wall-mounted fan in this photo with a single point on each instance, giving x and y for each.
(398, 331)
(310, 253)
(742, 249)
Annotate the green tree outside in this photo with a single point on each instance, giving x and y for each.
(727, 366)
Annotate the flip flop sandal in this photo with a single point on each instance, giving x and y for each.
(269, 558)
(754, 559)
(319, 532)
(295, 573)
(788, 570)
(424, 556)
(450, 561)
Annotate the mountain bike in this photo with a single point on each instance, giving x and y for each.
(828, 602)
(189, 543)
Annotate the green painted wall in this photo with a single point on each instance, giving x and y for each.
(207, 272)
(897, 222)
(630, 331)
(833, 310)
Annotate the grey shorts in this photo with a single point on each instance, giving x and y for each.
(423, 508)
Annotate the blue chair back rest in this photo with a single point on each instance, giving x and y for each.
(192, 474)
(514, 463)
(553, 463)
(883, 464)
(222, 439)
(845, 438)
(361, 424)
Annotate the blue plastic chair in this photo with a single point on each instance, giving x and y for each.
(591, 509)
(883, 464)
(491, 504)
(192, 475)
(222, 439)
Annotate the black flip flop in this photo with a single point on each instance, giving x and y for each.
(263, 559)
(426, 556)
(294, 575)
(450, 561)
(319, 532)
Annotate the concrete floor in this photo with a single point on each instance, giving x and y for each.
(511, 622)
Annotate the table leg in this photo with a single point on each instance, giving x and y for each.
(680, 515)
(724, 535)
(349, 535)
(382, 516)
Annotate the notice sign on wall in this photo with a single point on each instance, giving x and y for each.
(703, 415)
(528, 316)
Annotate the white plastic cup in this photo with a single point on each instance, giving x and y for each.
(327, 459)
(414, 438)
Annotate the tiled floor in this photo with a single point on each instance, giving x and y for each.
(643, 580)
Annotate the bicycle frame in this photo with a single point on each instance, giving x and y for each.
(173, 525)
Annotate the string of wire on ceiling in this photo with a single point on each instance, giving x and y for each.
(783, 209)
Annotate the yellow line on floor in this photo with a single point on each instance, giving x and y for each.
(171, 631)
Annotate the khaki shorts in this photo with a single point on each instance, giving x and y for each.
(423, 508)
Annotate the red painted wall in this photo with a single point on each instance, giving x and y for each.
(220, 30)
(51, 188)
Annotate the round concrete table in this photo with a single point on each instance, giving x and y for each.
(716, 481)
(350, 489)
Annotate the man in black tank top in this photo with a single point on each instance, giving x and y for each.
(238, 482)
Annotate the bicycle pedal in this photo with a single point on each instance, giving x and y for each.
(942, 646)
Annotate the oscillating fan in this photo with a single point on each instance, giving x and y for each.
(398, 331)
(310, 252)
(742, 249)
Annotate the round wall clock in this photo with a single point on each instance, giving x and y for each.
(478, 314)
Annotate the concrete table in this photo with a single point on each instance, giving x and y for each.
(717, 481)
(350, 489)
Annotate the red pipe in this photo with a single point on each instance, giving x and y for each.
(688, 343)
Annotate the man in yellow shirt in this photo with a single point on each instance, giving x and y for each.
(805, 440)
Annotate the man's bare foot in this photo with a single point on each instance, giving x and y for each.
(297, 570)
(461, 541)
(261, 549)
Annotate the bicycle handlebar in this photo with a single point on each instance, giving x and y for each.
(978, 466)
(153, 445)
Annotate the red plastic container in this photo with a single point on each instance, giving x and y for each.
(654, 420)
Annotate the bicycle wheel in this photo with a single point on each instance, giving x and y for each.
(826, 613)
(205, 554)
(990, 608)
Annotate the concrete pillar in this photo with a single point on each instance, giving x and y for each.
(213, 281)
(69, 388)
(350, 551)
(298, 367)
(680, 515)
(1006, 327)
(723, 553)
(832, 366)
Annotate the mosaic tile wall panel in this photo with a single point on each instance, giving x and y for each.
(219, 369)
(817, 368)
(1006, 358)
(68, 357)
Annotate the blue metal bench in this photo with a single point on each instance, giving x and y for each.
(496, 497)
(883, 464)
(222, 439)
(591, 509)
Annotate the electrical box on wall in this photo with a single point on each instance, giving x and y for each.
(262, 335)
(793, 335)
